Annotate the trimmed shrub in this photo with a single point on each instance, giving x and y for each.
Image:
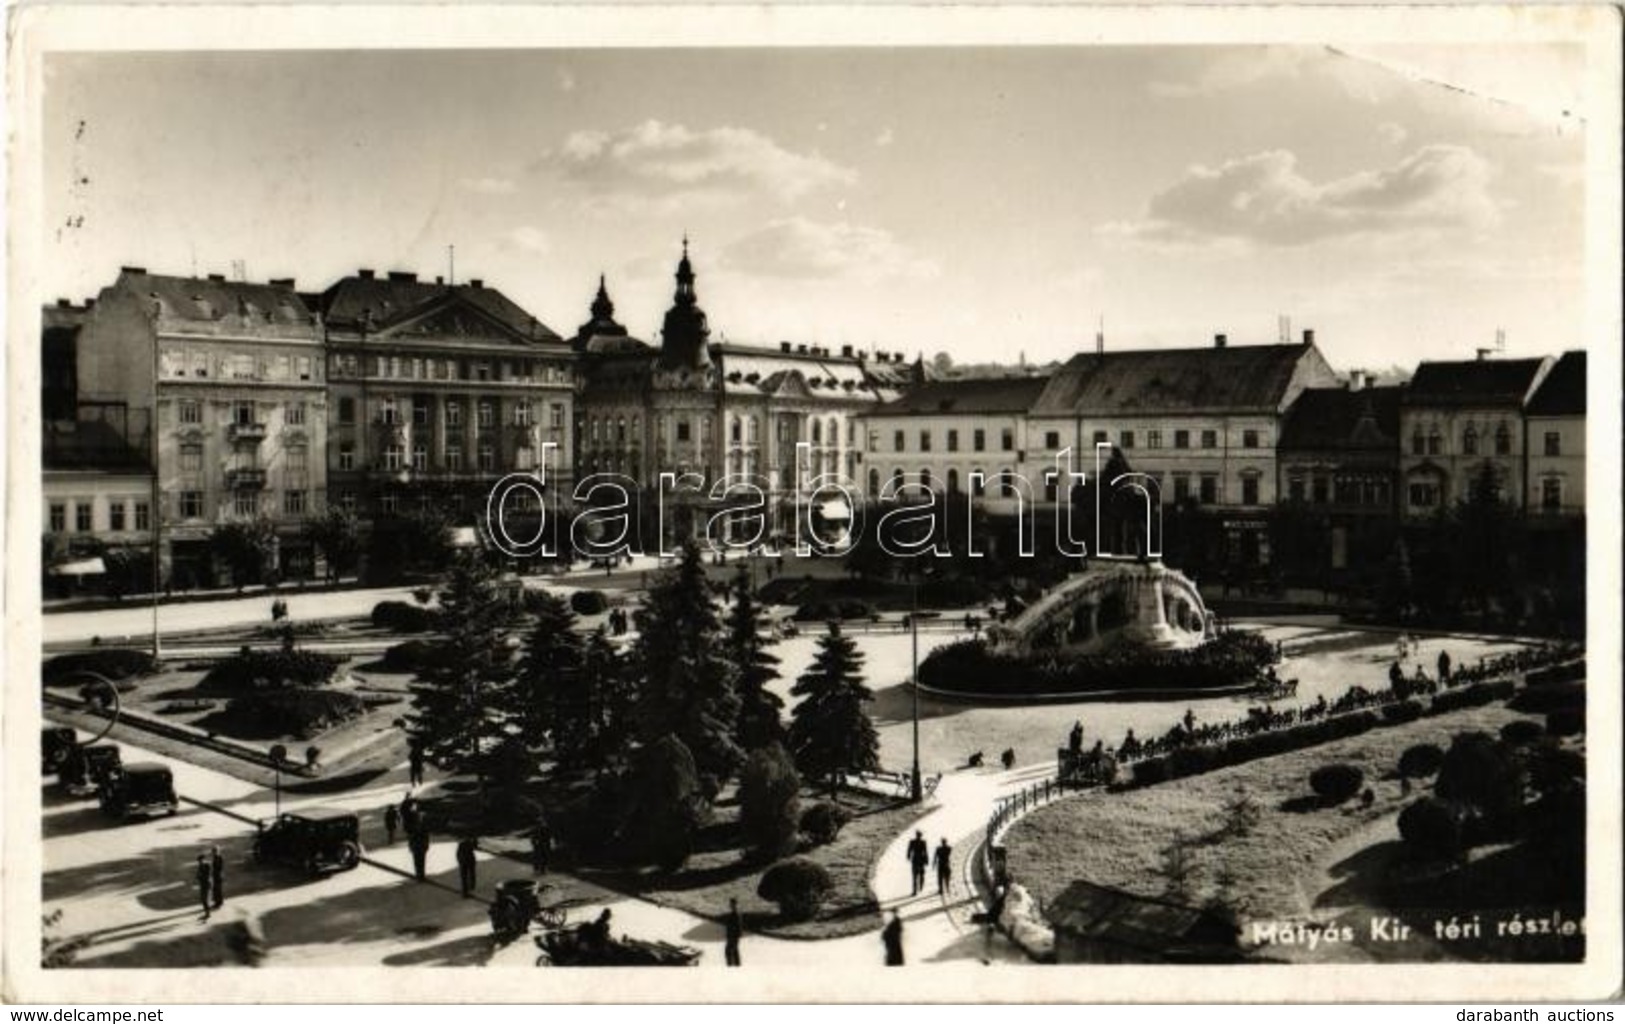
(301, 713)
(822, 822)
(799, 886)
(1572, 672)
(664, 806)
(769, 802)
(409, 656)
(1566, 722)
(588, 602)
(1231, 659)
(1474, 696)
(401, 617)
(112, 662)
(271, 670)
(1192, 761)
(1335, 783)
(1402, 711)
(1420, 761)
(1522, 732)
(1150, 771)
(1483, 775)
(1431, 829)
(1546, 699)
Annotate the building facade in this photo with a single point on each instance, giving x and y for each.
(235, 374)
(1555, 423)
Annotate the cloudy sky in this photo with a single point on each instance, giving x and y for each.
(1403, 202)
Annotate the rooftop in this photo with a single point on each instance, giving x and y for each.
(1475, 382)
(969, 396)
(399, 296)
(1240, 377)
(213, 299)
(1338, 418)
(1563, 392)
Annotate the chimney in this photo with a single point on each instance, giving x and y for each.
(1357, 381)
(784, 346)
(63, 304)
(132, 270)
(1219, 341)
(282, 282)
(476, 282)
(218, 277)
(846, 351)
(801, 350)
(438, 279)
(403, 276)
(90, 303)
(1308, 336)
(365, 274)
(1484, 354)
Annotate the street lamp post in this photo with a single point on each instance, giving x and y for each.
(914, 639)
(278, 755)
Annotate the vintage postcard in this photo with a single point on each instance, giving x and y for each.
(852, 504)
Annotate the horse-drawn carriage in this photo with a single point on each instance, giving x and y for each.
(518, 904)
(591, 945)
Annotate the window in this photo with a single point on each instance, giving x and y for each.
(925, 440)
(200, 364)
(1319, 490)
(295, 414)
(298, 459)
(487, 414)
(1554, 443)
(346, 410)
(1434, 441)
(1424, 495)
(978, 484)
(1125, 439)
(1210, 488)
(682, 430)
(1249, 490)
(953, 481)
(143, 516)
(1503, 440)
(953, 440)
(191, 505)
(1182, 439)
(302, 366)
(1051, 486)
(1418, 443)
(191, 458)
(487, 456)
(1100, 437)
(1052, 439)
(1249, 439)
(1294, 488)
(347, 502)
(387, 412)
(522, 417)
(897, 443)
(1210, 439)
(346, 456)
(191, 412)
(556, 415)
(293, 503)
(1007, 439)
(736, 432)
(482, 371)
(393, 456)
(1469, 441)
(978, 439)
(420, 456)
(454, 414)
(420, 412)
(1551, 493)
(59, 517)
(454, 459)
(1182, 487)
(1153, 439)
(389, 503)
(1007, 483)
(817, 432)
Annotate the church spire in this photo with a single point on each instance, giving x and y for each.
(685, 278)
(685, 334)
(602, 308)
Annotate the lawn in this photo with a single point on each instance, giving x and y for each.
(1271, 870)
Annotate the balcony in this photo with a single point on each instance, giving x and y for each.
(246, 432)
(244, 479)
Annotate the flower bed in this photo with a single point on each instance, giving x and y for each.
(268, 670)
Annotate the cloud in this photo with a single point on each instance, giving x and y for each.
(654, 158)
(885, 138)
(1263, 199)
(1392, 133)
(798, 247)
(527, 238)
(490, 186)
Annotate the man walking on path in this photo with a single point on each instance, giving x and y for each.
(411, 820)
(415, 765)
(417, 840)
(1444, 667)
(217, 877)
(944, 861)
(465, 865)
(919, 855)
(733, 928)
(392, 821)
(1074, 740)
(892, 936)
(205, 882)
(541, 844)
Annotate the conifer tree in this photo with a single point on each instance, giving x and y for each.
(759, 707)
(548, 705)
(610, 701)
(687, 682)
(830, 729)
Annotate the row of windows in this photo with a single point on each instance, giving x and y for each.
(1004, 482)
(189, 504)
(199, 365)
(1007, 440)
(1052, 439)
(1346, 490)
(296, 459)
(121, 516)
(1432, 443)
(244, 413)
(1425, 494)
(395, 457)
(523, 371)
(422, 412)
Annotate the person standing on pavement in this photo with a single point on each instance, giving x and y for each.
(392, 821)
(217, 877)
(466, 865)
(919, 855)
(410, 818)
(1444, 667)
(734, 929)
(944, 861)
(205, 882)
(892, 936)
(1074, 739)
(415, 765)
(417, 840)
(541, 844)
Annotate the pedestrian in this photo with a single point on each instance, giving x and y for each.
(217, 876)
(1444, 667)
(541, 845)
(411, 818)
(734, 929)
(944, 861)
(892, 936)
(205, 882)
(1074, 739)
(418, 841)
(1189, 720)
(392, 821)
(415, 765)
(466, 865)
(919, 855)
(1008, 758)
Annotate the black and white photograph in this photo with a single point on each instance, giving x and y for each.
(974, 504)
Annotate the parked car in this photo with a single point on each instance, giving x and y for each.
(54, 744)
(84, 768)
(143, 789)
(317, 841)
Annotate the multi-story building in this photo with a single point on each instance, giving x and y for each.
(235, 373)
(693, 406)
(97, 497)
(1460, 420)
(437, 391)
(1337, 481)
(1202, 422)
(1555, 420)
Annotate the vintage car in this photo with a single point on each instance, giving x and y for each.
(84, 768)
(316, 841)
(588, 945)
(54, 744)
(140, 789)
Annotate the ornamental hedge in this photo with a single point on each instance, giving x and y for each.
(401, 617)
(821, 823)
(1231, 659)
(249, 670)
(799, 886)
(1546, 699)
(588, 602)
(112, 662)
(1473, 696)
(301, 713)
(1335, 783)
